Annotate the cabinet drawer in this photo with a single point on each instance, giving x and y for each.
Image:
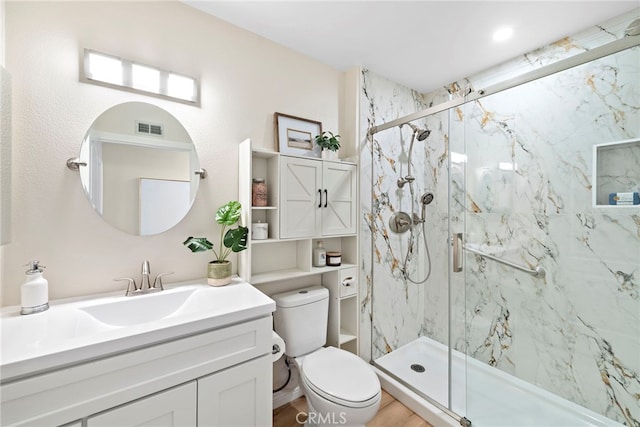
(348, 282)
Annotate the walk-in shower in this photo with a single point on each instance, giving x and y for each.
(531, 312)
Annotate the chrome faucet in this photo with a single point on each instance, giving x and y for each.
(146, 270)
(145, 283)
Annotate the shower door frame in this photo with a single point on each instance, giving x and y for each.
(547, 70)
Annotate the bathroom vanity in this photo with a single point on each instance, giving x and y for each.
(190, 355)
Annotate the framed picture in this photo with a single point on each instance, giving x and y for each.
(296, 136)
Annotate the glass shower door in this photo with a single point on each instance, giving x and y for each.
(561, 348)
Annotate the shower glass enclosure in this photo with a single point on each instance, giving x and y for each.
(523, 176)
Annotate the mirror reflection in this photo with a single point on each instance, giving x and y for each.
(140, 173)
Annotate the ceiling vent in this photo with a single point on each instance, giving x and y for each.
(149, 128)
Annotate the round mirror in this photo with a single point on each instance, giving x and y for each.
(139, 168)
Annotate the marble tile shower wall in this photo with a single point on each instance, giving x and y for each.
(399, 304)
(577, 332)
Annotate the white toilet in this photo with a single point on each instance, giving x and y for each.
(341, 388)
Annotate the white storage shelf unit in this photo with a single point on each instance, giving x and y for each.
(278, 258)
(342, 331)
(308, 200)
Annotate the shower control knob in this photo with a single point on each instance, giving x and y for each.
(400, 222)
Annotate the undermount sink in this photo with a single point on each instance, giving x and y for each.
(135, 310)
(77, 330)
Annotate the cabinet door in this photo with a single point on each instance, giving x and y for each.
(339, 216)
(300, 198)
(174, 407)
(238, 396)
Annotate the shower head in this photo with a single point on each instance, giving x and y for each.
(421, 134)
(425, 199)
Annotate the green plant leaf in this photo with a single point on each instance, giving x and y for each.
(229, 214)
(328, 140)
(198, 244)
(236, 239)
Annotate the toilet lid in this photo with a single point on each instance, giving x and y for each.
(340, 376)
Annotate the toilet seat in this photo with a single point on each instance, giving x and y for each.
(341, 377)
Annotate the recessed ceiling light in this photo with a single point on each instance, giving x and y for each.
(502, 34)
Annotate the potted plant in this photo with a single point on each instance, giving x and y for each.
(231, 240)
(329, 143)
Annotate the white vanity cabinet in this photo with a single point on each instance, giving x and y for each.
(220, 377)
(235, 396)
(172, 408)
(232, 397)
(317, 198)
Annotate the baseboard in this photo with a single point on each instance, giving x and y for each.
(285, 396)
(291, 392)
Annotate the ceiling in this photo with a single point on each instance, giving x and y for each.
(421, 44)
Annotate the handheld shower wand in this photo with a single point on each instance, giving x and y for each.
(425, 200)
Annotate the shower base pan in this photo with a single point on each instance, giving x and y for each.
(494, 398)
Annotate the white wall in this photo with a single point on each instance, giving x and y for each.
(245, 79)
(3, 204)
(2, 32)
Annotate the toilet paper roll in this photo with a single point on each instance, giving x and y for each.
(278, 347)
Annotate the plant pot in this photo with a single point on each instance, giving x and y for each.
(329, 155)
(219, 273)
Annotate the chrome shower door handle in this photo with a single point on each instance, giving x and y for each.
(456, 241)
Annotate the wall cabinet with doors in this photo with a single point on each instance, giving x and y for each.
(317, 198)
(309, 200)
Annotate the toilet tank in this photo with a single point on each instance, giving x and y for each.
(301, 319)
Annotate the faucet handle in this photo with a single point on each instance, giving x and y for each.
(130, 284)
(157, 284)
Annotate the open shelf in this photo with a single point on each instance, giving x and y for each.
(346, 336)
(273, 276)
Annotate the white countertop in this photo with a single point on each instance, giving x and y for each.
(78, 330)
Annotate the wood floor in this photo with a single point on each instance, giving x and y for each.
(391, 414)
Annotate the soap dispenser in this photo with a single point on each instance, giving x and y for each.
(34, 290)
(319, 255)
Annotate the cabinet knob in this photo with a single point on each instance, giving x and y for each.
(348, 281)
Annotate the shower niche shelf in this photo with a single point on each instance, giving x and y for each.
(616, 169)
